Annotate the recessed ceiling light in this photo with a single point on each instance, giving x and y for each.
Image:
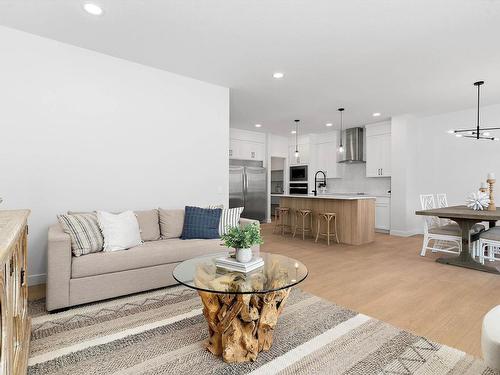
(293, 131)
(329, 124)
(258, 125)
(376, 114)
(93, 9)
(278, 75)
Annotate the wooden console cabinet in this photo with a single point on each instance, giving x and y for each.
(15, 324)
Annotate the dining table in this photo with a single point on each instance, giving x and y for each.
(466, 218)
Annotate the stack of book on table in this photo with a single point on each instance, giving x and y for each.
(231, 264)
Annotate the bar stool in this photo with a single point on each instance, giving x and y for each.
(327, 216)
(302, 216)
(282, 220)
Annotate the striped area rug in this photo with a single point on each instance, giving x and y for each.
(163, 331)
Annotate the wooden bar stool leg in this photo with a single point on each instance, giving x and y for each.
(311, 224)
(276, 221)
(335, 223)
(318, 228)
(328, 230)
(303, 227)
(295, 225)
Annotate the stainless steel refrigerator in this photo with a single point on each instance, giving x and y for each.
(248, 188)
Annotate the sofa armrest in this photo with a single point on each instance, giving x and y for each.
(244, 222)
(58, 268)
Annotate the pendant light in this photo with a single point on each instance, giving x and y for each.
(477, 132)
(297, 138)
(341, 147)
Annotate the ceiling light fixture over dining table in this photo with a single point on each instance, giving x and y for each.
(477, 132)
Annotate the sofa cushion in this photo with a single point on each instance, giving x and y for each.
(149, 254)
(201, 223)
(171, 222)
(149, 224)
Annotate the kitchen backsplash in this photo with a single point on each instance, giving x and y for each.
(355, 181)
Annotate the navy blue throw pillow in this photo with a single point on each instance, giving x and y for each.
(201, 223)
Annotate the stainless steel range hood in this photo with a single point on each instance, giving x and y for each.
(352, 140)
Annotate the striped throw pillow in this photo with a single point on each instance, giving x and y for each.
(86, 237)
(229, 218)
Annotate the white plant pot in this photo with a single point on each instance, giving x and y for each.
(243, 255)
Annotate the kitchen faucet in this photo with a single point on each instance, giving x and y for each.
(322, 184)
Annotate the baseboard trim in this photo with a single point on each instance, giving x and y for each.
(405, 233)
(37, 279)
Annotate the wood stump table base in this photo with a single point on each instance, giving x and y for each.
(241, 325)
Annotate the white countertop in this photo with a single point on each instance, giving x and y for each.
(328, 196)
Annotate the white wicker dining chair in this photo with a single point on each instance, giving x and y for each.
(442, 201)
(489, 245)
(437, 237)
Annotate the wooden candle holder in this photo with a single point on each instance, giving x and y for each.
(491, 206)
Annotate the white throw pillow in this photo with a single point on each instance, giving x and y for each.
(120, 231)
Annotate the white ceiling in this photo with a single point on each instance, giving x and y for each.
(388, 56)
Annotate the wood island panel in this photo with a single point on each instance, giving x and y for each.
(355, 217)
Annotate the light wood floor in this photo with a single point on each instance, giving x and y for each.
(388, 280)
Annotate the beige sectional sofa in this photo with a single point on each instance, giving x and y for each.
(76, 280)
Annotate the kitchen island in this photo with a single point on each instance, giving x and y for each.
(355, 214)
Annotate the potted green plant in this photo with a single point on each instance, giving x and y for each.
(242, 239)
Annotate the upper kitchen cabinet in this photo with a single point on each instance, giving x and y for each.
(247, 145)
(378, 150)
(327, 155)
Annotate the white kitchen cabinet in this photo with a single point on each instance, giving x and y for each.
(326, 159)
(383, 213)
(378, 150)
(303, 154)
(246, 150)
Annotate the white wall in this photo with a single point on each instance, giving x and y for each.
(277, 146)
(84, 131)
(428, 160)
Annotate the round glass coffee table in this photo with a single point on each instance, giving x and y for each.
(241, 309)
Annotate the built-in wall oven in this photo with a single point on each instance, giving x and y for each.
(298, 173)
(298, 188)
